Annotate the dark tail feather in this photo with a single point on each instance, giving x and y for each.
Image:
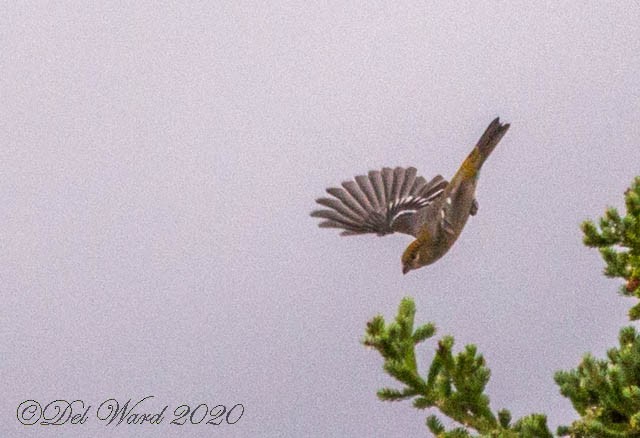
(490, 139)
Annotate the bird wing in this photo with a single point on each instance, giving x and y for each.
(382, 202)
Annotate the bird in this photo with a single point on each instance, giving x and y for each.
(397, 200)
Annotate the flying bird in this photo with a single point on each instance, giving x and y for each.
(398, 201)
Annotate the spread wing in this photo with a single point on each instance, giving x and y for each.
(381, 202)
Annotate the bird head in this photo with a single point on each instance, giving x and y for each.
(411, 257)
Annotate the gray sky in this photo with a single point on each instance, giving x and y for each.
(158, 164)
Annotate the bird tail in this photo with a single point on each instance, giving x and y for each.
(491, 137)
(487, 143)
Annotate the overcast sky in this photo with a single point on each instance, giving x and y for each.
(158, 163)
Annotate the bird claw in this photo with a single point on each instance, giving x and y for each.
(474, 208)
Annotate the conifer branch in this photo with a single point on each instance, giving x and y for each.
(618, 239)
(454, 385)
(606, 392)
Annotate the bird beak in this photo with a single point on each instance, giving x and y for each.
(405, 269)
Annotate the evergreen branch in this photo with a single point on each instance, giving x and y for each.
(455, 382)
(618, 239)
(606, 393)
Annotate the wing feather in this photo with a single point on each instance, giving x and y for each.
(367, 188)
(354, 190)
(398, 180)
(378, 186)
(381, 202)
(409, 178)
